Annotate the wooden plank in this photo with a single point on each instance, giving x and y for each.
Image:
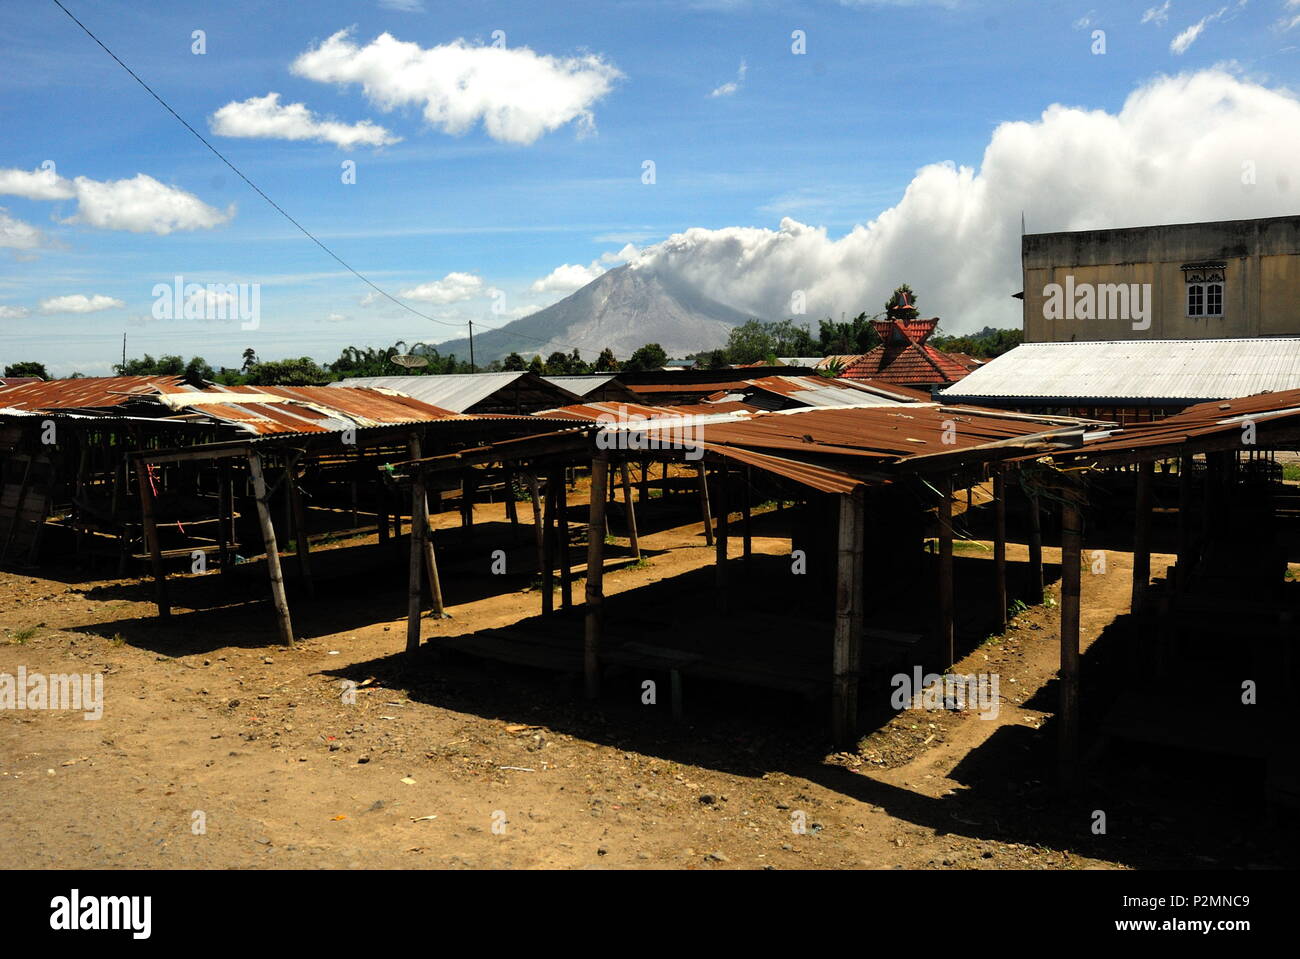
(272, 550)
(595, 599)
(151, 538)
(848, 620)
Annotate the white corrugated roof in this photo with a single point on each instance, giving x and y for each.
(451, 391)
(1136, 369)
(578, 384)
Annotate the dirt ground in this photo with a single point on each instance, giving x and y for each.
(218, 748)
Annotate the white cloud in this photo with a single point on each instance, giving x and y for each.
(142, 205)
(516, 93)
(1289, 20)
(403, 6)
(13, 312)
(567, 278)
(452, 288)
(36, 184)
(80, 303)
(1158, 15)
(955, 235)
(16, 234)
(727, 89)
(1179, 44)
(266, 117)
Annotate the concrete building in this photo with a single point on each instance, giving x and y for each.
(1188, 281)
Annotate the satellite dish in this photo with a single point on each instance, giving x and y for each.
(409, 360)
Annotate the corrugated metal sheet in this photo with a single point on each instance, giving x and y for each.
(86, 393)
(452, 391)
(580, 385)
(1146, 370)
(824, 391)
(276, 410)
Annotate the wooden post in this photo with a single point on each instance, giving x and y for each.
(419, 532)
(1035, 549)
(272, 550)
(300, 540)
(430, 558)
(704, 503)
(746, 496)
(721, 539)
(1184, 519)
(644, 492)
(512, 508)
(848, 620)
(631, 514)
(1000, 544)
(225, 515)
(1071, 544)
(595, 598)
(381, 510)
(150, 531)
(539, 532)
(946, 630)
(562, 533)
(1142, 536)
(548, 546)
(467, 503)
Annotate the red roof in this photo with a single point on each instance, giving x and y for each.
(912, 365)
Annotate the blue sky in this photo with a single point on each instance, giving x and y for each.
(831, 138)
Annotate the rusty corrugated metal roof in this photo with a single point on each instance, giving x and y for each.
(84, 393)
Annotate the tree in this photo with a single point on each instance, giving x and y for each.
(576, 365)
(27, 368)
(648, 357)
(557, 364)
(302, 371)
(854, 336)
(250, 360)
(605, 362)
(197, 371)
(749, 343)
(514, 363)
(893, 305)
(535, 366)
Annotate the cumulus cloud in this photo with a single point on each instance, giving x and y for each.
(38, 184)
(567, 278)
(265, 117)
(452, 288)
(517, 94)
(15, 234)
(13, 312)
(79, 303)
(1164, 157)
(1157, 15)
(142, 205)
(727, 89)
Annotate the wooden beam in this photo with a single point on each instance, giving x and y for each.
(1142, 536)
(631, 514)
(704, 503)
(848, 620)
(595, 598)
(946, 628)
(150, 531)
(1000, 544)
(1071, 546)
(272, 550)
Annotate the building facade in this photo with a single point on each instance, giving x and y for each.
(1227, 279)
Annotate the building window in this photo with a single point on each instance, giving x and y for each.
(1205, 283)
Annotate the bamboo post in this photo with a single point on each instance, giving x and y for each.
(562, 533)
(848, 619)
(595, 599)
(1071, 543)
(272, 550)
(300, 540)
(1142, 536)
(704, 503)
(1000, 544)
(150, 532)
(946, 629)
(631, 514)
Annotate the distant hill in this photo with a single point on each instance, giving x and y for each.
(622, 309)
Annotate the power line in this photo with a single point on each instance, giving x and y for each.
(279, 209)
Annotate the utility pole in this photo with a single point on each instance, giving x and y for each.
(124, 349)
(472, 368)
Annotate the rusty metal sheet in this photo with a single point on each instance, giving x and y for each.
(84, 393)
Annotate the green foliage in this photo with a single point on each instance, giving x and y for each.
(648, 357)
(605, 363)
(756, 341)
(195, 372)
(303, 371)
(27, 368)
(849, 337)
(985, 344)
(514, 363)
(909, 313)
